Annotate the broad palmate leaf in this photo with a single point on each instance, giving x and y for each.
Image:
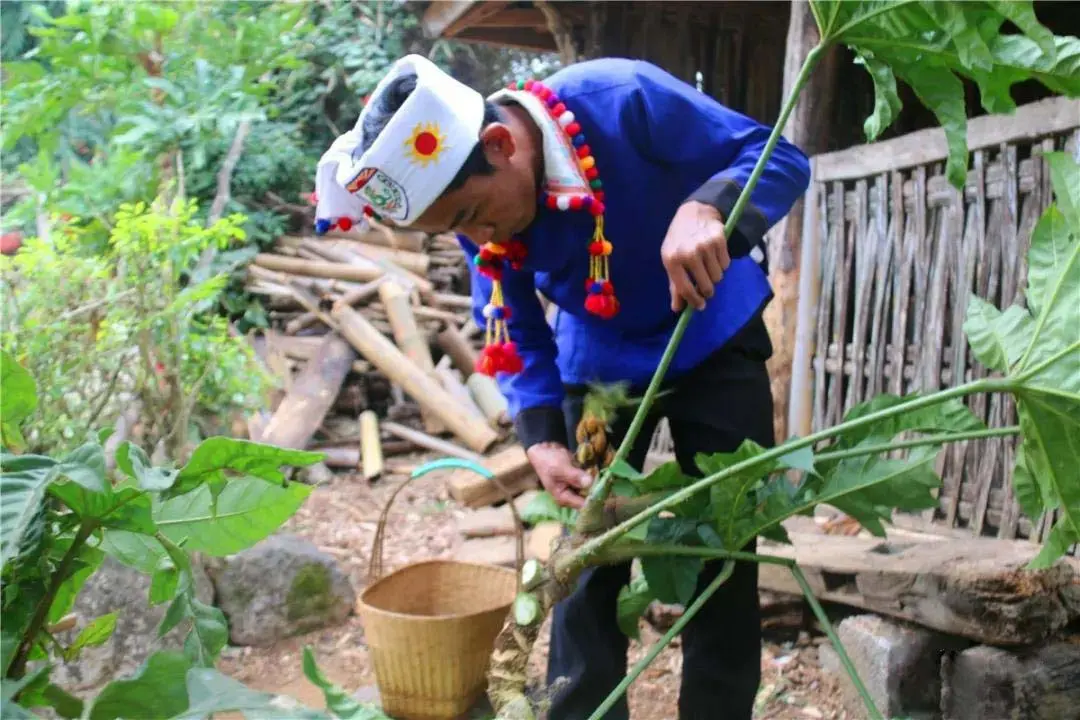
(930, 45)
(1038, 350)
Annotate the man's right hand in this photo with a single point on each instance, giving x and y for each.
(554, 464)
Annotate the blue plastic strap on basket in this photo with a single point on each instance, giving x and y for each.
(452, 462)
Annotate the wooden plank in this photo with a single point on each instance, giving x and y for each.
(976, 588)
(863, 248)
(440, 14)
(1029, 122)
(883, 264)
(511, 467)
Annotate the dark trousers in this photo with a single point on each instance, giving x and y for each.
(724, 401)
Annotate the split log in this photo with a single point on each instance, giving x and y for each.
(317, 268)
(485, 392)
(510, 466)
(454, 344)
(385, 356)
(431, 443)
(409, 340)
(370, 446)
(313, 393)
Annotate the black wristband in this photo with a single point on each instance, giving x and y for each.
(540, 424)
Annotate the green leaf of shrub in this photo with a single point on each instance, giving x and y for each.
(85, 466)
(338, 701)
(125, 509)
(247, 511)
(96, 633)
(209, 691)
(135, 463)
(218, 458)
(136, 550)
(18, 400)
(23, 481)
(634, 600)
(156, 690)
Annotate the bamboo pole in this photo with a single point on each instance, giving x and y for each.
(452, 382)
(409, 339)
(431, 443)
(386, 357)
(370, 446)
(317, 268)
(485, 392)
(454, 344)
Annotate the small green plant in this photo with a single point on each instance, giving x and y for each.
(128, 328)
(868, 465)
(59, 519)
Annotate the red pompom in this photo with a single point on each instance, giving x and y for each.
(573, 129)
(584, 151)
(607, 288)
(575, 202)
(368, 210)
(596, 248)
(558, 109)
(485, 364)
(529, 84)
(592, 173)
(609, 308)
(552, 202)
(595, 304)
(511, 361)
(597, 208)
(492, 272)
(599, 195)
(345, 224)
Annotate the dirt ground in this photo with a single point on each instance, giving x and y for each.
(341, 518)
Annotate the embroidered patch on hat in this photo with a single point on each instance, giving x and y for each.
(426, 144)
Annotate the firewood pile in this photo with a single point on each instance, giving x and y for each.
(373, 340)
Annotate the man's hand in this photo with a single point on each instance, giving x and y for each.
(554, 465)
(695, 254)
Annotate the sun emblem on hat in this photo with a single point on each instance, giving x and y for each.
(425, 144)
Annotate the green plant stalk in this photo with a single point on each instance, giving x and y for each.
(640, 665)
(623, 553)
(569, 566)
(940, 439)
(601, 489)
(41, 614)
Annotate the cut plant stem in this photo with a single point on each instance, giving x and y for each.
(600, 490)
(640, 665)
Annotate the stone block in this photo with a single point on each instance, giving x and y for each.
(988, 683)
(898, 663)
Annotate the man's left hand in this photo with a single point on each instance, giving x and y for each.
(695, 254)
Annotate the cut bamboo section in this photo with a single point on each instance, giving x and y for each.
(409, 339)
(511, 468)
(431, 443)
(318, 268)
(386, 357)
(370, 446)
(454, 344)
(485, 392)
(453, 385)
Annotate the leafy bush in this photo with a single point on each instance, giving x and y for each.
(128, 328)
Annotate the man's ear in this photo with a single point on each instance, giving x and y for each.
(498, 143)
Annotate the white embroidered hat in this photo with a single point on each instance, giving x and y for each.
(411, 161)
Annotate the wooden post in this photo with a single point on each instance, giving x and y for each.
(807, 127)
(311, 395)
(409, 338)
(385, 356)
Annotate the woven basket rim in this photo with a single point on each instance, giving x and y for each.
(432, 618)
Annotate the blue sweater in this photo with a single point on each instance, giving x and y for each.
(658, 142)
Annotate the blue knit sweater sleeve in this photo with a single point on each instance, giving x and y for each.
(534, 396)
(675, 124)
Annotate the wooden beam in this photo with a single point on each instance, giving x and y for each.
(1029, 122)
(441, 14)
(474, 17)
(509, 37)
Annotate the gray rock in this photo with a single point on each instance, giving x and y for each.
(317, 474)
(118, 588)
(281, 587)
(898, 663)
(1035, 684)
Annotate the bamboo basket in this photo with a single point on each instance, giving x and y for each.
(430, 626)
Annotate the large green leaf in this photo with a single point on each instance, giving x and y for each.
(126, 508)
(135, 463)
(672, 578)
(339, 702)
(156, 690)
(218, 458)
(931, 45)
(246, 511)
(997, 339)
(18, 400)
(136, 550)
(85, 466)
(209, 692)
(209, 629)
(23, 480)
(634, 600)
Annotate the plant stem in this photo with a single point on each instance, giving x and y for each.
(940, 439)
(640, 665)
(849, 666)
(599, 491)
(41, 614)
(568, 566)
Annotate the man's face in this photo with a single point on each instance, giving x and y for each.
(488, 208)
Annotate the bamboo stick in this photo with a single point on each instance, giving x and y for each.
(416, 262)
(408, 338)
(385, 356)
(452, 382)
(449, 300)
(485, 392)
(458, 348)
(370, 446)
(316, 268)
(431, 443)
(355, 256)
